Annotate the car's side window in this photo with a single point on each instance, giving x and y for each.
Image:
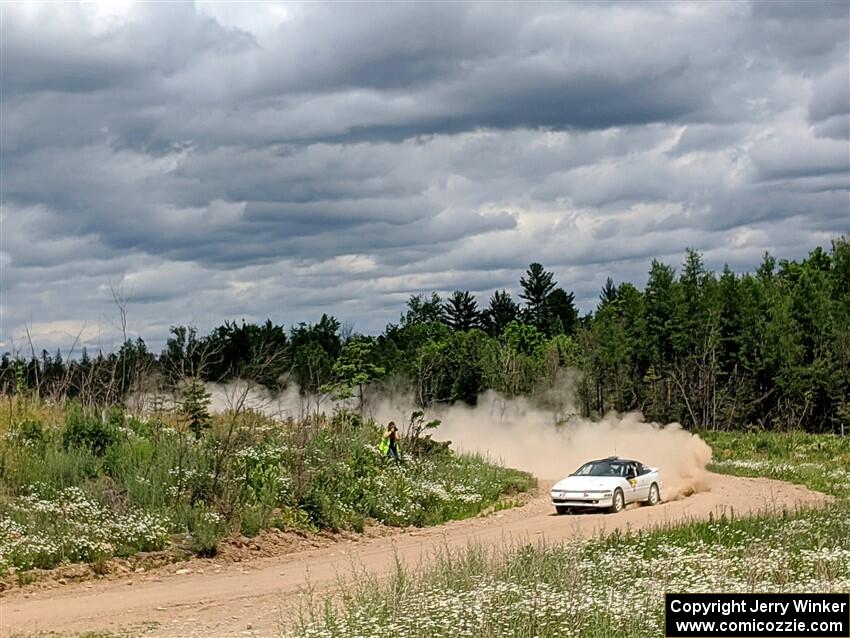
(643, 469)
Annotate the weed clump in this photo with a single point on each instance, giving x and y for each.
(87, 431)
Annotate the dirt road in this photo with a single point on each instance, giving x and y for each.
(246, 599)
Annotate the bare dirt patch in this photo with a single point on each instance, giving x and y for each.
(266, 544)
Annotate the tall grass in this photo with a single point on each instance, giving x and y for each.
(76, 486)
(819, 461)
(603, 587)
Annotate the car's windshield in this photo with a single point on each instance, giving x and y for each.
(602, 468)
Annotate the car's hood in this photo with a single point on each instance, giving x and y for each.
(587, 483)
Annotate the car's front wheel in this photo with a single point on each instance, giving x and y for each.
(654, 495)
(562, 509)
(618, 502)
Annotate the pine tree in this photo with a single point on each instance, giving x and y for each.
(560, 314)
(461, 311)
(536, 287)
(194, 406)
(659, 312)
(730, 318)
(502, 311)
(608, 293)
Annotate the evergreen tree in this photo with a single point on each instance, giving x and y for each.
(730, 319)
(691, 312)
(194, 406)
(252, 352)
(659, 312)
(608, 294)
(325, 333)
(536, 287)
(765, 270)
(461, 311)
(560, 314)
(501, 311)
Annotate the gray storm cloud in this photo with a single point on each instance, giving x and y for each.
(249, 146)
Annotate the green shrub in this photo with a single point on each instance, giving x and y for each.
(290, 517)
(29, 433)
(319, 508)
(253, 521)
(207, 528)
(115, 417)
(87, 431)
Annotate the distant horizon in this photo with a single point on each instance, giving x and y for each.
(157, 346)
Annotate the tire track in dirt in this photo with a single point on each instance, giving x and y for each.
(249, 599)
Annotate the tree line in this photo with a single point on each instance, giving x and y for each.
(767, 350)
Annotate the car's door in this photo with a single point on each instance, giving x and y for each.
(632, 479)
(644, 481)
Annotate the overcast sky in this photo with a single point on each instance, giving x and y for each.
(227, 161)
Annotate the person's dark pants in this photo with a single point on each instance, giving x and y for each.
(393, 453)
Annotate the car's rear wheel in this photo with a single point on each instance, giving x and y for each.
(618, 502)
(562, 509)
(654, 495)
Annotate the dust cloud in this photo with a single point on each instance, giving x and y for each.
(241, 395)
(552, 443)
(544, 436)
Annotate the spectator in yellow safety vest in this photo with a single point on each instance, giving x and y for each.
(389, 442)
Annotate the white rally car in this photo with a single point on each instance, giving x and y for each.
(607, 483)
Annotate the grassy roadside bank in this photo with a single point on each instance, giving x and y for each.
(613, 586)
(80, 487)
(818, 461)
